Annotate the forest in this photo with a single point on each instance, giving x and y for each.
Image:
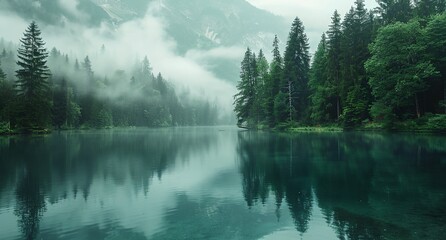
(383, 68)
(41, 90)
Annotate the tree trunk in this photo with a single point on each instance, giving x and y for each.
(338, 107)
(290, 101)
(444, 95)
(417, 106)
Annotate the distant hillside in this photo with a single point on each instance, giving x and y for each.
(193, 24)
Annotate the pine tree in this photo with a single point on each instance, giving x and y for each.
(60, 104)
(357, 34)
(426, 8)
(334, 63)
(272, 86)
(391, 11)
(245, 98)
(318, 85)
(296, 73)
(33, 89)
(261, 89)
(6, 97)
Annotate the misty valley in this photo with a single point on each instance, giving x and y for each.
(212, 119)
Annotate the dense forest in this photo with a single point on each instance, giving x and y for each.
(41, 90)
(380, 68)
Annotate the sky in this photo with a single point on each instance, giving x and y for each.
(315, 14)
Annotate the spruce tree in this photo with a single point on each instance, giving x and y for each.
(273, 83)
(261, 89)
(33, 88)
(318, 85)
(6, 96)
(334, 64)
(296, 72)
(245, 98)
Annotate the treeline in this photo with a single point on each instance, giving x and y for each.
(40, 90)
(384, 67)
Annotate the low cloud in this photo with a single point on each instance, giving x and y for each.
(128, 43)
(315, 14)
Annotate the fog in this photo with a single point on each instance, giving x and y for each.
(127, 43)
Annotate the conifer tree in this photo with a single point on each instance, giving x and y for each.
(262, 80)
(319, 100)
(245, 97)
(33, 89)
(334, 63)
(296, 72)
(273, 83)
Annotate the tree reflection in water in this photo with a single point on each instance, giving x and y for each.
(368, 186)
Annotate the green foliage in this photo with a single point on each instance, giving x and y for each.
(281, 113)
(319, 103)
(398, 68)
(246, 105)
(33, 89)
(436, 122)
(296, 72)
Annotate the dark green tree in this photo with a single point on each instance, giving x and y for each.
(426, 8)
(398, 70)
(272, 86)
(296, 73)
(319, 102)
(262, 80)
(390, 11)
(33, 88)
(245, 97)
(334, 65)
(6, 97)
(357, 34)
(436, 42)
(60, 104)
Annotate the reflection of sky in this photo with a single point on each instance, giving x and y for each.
(200, 192)
(206, 180)
(144, 213)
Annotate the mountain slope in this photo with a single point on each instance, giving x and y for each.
(193, 24)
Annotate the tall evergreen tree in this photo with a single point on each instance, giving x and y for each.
(334, 64)
(319, 101)
(357, 34)
(262, 80)
(33, 89)
(245, 98)
(273, 84)
(296, 73)
(6, 97)
(60, 103)
(391, 11)
(426, 8)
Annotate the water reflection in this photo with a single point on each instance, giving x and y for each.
(368, 186)
(211, 183)
(48, 169)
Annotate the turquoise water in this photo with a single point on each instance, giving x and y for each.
(222, 183)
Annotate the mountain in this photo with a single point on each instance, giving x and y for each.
(193, 24)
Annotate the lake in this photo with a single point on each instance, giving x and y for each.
(222, 183)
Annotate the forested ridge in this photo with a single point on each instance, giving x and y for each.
(379, 68)
(42, 90)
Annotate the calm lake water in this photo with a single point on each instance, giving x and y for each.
(222, 183)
